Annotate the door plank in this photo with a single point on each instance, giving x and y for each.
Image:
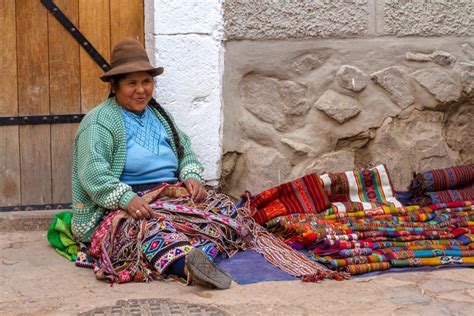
(32, 50)
(65, 97)
(8, 88)
(10, 191)
(33, 99)
(64, 70)
(62, 137)
(127, 20)
(94, 23)
(35, 164)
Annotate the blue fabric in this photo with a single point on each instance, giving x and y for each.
(177, 268)
(249, 266)
(403, 197)
(149, 157)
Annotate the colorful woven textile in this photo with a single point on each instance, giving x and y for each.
(128, 250)
(437, 261)
(385, 237)
(461, 194)
(303, 195)
(359, 190)
(443, 185)
(60, 236)
(355, 269)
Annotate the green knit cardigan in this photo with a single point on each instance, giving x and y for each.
(98, 162)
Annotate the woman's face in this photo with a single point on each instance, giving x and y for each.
(135, 91)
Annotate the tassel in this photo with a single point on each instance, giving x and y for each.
(321, 275)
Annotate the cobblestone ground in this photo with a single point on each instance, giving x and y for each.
(34, 280)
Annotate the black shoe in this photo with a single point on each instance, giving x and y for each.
(202, 271)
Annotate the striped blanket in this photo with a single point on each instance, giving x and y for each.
(443, 185)
(359, 190)
(303, 195)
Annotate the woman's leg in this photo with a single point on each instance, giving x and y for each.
(162, 245)
(171, 254)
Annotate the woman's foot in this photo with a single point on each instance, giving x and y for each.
(202, 271)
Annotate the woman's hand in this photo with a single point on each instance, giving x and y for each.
(197, 190)
(139, 209)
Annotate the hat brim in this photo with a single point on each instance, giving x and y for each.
(132, 67)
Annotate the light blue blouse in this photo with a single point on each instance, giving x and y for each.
(149, 157)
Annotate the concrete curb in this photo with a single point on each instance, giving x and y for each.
(26, 221)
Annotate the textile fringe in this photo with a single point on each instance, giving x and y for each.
(283, 256)
(252, 235)
(417, 186)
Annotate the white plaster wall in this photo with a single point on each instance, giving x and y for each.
(185, 37)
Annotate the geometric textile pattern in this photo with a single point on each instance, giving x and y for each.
(303, 195)
(360, 189)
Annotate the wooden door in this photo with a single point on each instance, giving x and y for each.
(45, 72)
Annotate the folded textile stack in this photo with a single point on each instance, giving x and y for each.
(385, 237)
(358, 190)
(304, 195)
(366, 228)
(443, 185)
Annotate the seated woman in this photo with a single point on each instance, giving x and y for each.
(129, 144)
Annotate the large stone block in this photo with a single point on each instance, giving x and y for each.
(187, 17)
(338, 106)
(413, 144)
(337, 161)
(440, 57)
(425, 18)
(467, 76)
(397, 84)
(309, 62)
(191, 62)
(459, 134)
(281, 103)
(351, 78)
(258, 169)
(439, 83)
(282, 19)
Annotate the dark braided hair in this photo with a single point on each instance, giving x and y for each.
(114, 84)
(174, 131)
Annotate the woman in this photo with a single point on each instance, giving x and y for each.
(125, 146)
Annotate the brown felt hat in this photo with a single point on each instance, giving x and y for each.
(129, 56)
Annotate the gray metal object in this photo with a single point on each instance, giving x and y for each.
(41, 119)
(155, 307)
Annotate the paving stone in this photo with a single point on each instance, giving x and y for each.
(458, 296)
(407, 295)
(441, 308)
(438, 285)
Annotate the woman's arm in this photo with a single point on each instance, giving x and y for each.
(95, 155)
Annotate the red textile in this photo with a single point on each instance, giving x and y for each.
(303, 195)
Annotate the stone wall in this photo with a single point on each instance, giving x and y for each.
(324, 86)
